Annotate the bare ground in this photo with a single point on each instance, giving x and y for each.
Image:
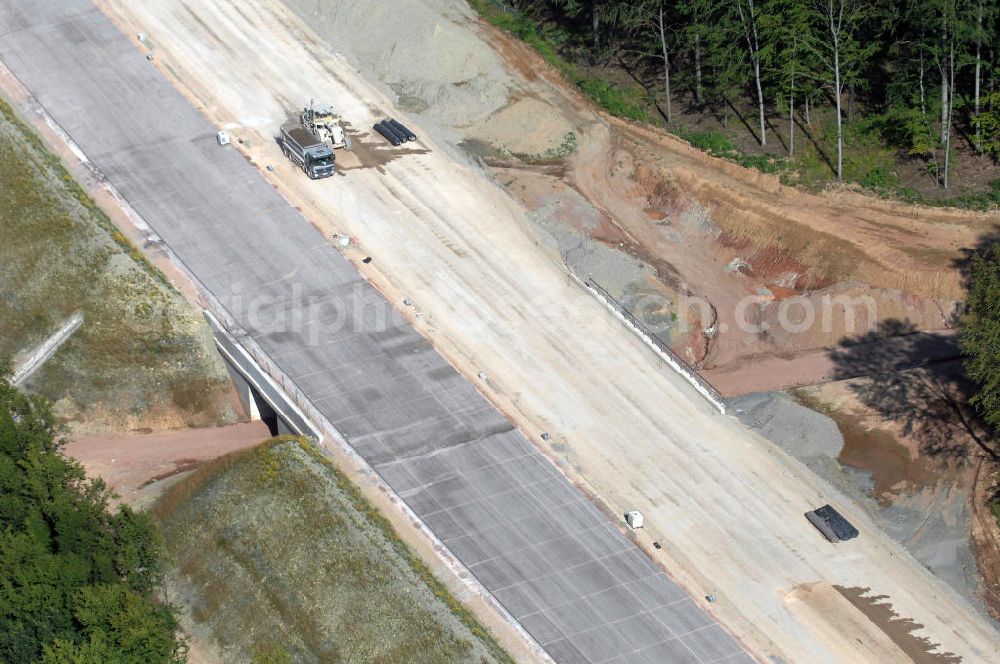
(137, 466)
(495, 299)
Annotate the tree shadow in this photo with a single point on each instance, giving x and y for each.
(742, 120)
(775, 132)
(819, 150)
(927, 399)
(651, 94)
(986, 242)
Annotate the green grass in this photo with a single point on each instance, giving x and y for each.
(984, 200)
(141, 345)
(716, 143)
(629, 103)
(276, 551)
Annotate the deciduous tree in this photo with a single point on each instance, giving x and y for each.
(980, 333)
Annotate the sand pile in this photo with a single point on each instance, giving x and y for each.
(432, 55)
(428, 51)
(529, 129)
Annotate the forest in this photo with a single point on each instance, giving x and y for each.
(920, 76)
(79, 581)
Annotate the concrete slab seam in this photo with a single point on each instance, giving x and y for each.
(246, 342)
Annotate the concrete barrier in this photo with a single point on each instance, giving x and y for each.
(673, 360)
(264, 387)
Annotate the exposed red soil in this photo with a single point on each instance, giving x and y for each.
(129, 463)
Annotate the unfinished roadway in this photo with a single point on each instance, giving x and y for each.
(725, 504)
(553, 560)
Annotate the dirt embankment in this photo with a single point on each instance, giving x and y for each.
(723, 262)
(276, 550)
(142, 357)
(139, 466)
(723, 247)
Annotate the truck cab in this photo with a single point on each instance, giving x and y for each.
(319, 164)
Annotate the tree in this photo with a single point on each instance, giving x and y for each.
(980, 333)
(949, 21)
(697, 15)
(76, 580)
(724, 61)
(749, 21)
(839, 22)
(988, 126)
(649, 21)
(978, 74)
(788, 23)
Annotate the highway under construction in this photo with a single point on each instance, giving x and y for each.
(407, 302)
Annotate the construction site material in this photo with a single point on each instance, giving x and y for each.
(388, 133)
(401, 129)
(307, 151)
(401, 135)
(634, 519)
(830, 522)
(496, 300)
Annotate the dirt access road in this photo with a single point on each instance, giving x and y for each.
(726, 505)
(135, 464)
(727, 235)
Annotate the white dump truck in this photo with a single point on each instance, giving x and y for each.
(324, 123)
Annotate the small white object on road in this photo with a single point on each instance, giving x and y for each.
(634, 519)
(344, 241)
(222, 137)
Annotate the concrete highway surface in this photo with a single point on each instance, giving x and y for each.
(554, 561)
(725, 505)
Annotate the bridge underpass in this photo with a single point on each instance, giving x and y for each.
(262, 397)
(548, 556)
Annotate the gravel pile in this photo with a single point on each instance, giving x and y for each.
(429, 52)
(803, 433)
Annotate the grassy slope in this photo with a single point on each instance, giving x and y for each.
(275, 548)
(141, 346)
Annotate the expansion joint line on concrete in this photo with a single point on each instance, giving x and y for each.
(673, 360)
(213, 307)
